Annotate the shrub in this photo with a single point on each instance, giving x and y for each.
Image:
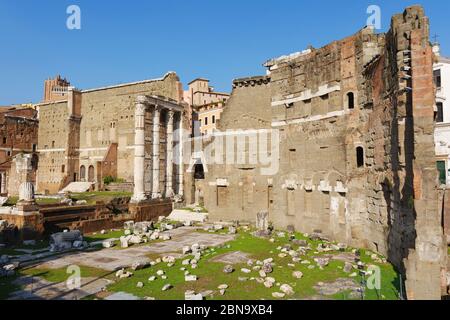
(109, 179)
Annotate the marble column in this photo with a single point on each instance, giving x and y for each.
(181, 163)
(169, 165)
(3, 184)
(155, 159)
(139, 152)
(24, 169)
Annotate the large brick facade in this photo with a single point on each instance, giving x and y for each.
(18, 134)
(91, 134)
(356, 125)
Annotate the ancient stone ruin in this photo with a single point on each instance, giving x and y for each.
(355, 124)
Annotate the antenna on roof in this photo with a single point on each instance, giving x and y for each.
(435, 38)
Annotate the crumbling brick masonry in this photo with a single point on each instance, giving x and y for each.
(356, 123)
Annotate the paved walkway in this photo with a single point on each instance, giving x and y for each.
(35, 288)
(113, 259)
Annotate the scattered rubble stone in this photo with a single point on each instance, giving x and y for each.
(228, 269)
(167, 287)
(191, 296)
(348, 267)
(140, 264)
(267, 268)
(322, 262)
(232, 230)
(287, 289)
(123, 274)
(65, 240)
(190, 278)
(108, 244)
(340, 285)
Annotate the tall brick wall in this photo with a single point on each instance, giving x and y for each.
(80, 131)
(368, 94)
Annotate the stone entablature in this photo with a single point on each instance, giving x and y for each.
(307, 95)
(251, 81)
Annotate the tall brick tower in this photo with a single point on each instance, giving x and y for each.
(56, 89)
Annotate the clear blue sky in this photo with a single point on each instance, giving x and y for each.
(123, 41)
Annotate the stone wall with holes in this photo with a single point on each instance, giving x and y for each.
(238, 192)
(108, 117)
(356, 148)
(53, 136)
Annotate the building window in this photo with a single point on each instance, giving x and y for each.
(351, 100)
(206, 121)
(360, 157)
(63, 169)
(199, 173)
(213, 119)
(53, 144)
(442, 172)
(439, 112)
(437, 78)
(34, 147)
(4, 140)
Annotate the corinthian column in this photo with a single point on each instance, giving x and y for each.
(156, 144)
(139, 151)
(3, 184)
(169, 166)
(181, 164)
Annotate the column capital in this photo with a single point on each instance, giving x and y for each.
(140, 109)
(141, 100)
(171, 114)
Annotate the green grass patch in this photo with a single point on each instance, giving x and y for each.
(12, 201)
(61, 274)
(210, 273)
(99, 237)
(13, 251)
(105, 196)
(210, 276)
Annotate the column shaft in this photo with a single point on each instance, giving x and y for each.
(155, 159)
(3, 184)
(139, 152)
(169, 165)
(181, 163)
